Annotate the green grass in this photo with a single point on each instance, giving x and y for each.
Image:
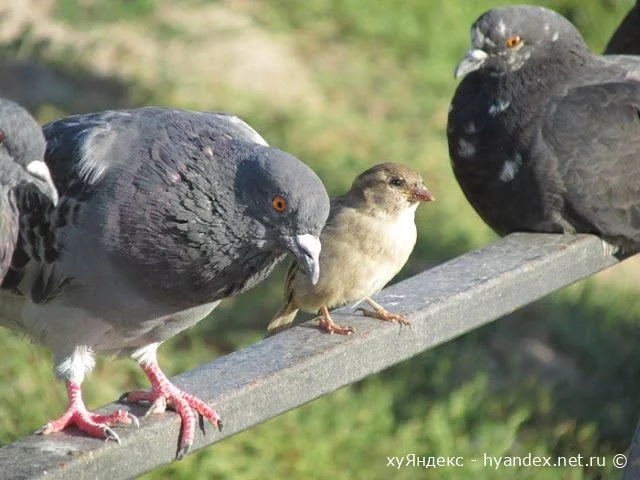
(83, 13)
(384, 73)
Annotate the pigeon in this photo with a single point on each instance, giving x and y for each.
(21, 165)
(163, 213)
(544, 135)
(368, 238)
(626, 38)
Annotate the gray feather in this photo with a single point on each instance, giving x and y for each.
(162, 214)
(562, 153)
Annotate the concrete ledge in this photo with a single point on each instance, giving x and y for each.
(283, 372)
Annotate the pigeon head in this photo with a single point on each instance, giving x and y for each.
(287, 203)
(391, 187)
(21, 139)
(504, 39)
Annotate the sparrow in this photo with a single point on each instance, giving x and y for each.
(366, 241)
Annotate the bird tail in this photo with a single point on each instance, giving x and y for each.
(282, 320)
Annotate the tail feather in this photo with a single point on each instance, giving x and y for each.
(282, 320)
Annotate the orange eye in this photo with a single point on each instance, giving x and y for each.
(279, 203)
(513, 41)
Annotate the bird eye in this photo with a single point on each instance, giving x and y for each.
(279, 203)
(1, 136)
(513, 41)
(396, 181)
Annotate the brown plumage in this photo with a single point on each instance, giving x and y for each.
(367, 239)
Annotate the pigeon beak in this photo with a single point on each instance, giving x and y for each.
(472, 61)
(420, 193)
(39, 169)
(306, 249)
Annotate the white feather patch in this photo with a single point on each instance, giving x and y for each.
(510, 168)
(75, 366)
(498, 107)
(92, 160)
(466, 149)
(147, 354)
(256, 137)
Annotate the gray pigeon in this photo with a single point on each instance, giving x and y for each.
(544, 135)
(626, 38)
(162, 214)
(21, 165)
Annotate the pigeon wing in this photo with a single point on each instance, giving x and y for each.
(593, 134)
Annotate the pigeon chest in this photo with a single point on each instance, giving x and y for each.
(491, 142)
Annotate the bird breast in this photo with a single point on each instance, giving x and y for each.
(360, 254)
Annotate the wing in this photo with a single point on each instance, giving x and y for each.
(235, 128)
(626, 39)
(84, 147)
(8, 229)
(593, 136)
(285, 316)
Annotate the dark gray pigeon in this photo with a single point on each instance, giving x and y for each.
(21, 165)
(544, 135)
(162, 214)
(626, 38)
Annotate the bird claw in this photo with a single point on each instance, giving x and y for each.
(133, 420)
(183, 451)
(384, 315)
(332, 328)
(159, 405)
(111, 435)
(92, 424)
(44, 430)
(165, 395)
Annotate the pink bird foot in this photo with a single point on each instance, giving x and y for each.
(92, 424)
(165, 394)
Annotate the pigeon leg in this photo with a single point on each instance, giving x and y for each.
(326, 324)
(92, 424)
(165, 394)
(381, 313)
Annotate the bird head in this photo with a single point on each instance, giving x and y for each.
(391, 187)
(287, 203)
(504, 39)
(22, 140)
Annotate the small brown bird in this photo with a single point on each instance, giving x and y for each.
(367, 239)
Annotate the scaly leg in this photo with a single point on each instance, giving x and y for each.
(92, 424)
(165, 394)
(382, 314)
(326, 324)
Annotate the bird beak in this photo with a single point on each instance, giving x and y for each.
(306, 249)
(472, 61)
(39, 169)
(420, 193)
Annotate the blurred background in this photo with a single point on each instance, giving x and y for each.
(341, 84)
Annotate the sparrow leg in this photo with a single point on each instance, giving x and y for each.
(92, 424)
(326, 324)
(165, 394)
(381, 313)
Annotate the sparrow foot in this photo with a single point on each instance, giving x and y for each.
(381, 313)
(327, 324)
